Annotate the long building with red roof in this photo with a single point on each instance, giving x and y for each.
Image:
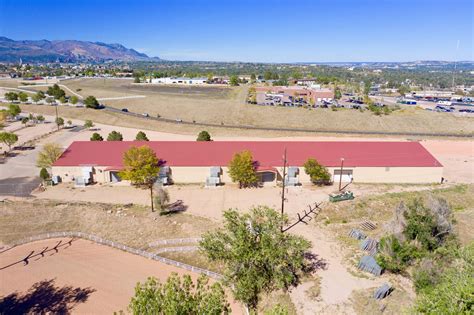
(195, 162)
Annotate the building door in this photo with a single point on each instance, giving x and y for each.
(267, 177)
(346, 176)
(114, 177)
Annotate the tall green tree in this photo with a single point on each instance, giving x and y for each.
(179, 296)
(11, 96)
(242, 169)
(114, 136)
(74, 99)
(318, 173)
(23, 97)
(234, 80)
(13, 110)
(141, 168)
(49, 154)
(8, 138)
(257, 257)
(56, 91)
(36, 98)
(60, 122)
(141, 136)
(337, 93)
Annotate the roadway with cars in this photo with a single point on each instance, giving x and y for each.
(247, 127)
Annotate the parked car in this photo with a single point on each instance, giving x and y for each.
(145, 115)
(125, 110)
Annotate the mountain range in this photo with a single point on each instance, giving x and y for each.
(66, 51)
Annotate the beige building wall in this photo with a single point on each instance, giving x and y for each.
(194, 174)
(68, 173)
(409, 175)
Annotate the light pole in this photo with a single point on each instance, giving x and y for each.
(283, 189)
(340, 174)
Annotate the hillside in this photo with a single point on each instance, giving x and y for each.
(65, 51)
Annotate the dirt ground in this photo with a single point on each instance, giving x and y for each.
(81, 278)
(212, 105)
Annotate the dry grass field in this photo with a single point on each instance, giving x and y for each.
(379, 209)
(211, 104)
(134, 225)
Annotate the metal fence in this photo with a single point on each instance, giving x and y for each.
(100, 240)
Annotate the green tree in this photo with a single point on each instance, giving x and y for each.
(318, 173)
(14, 110)
(56, 91)
(253, 78)
(91, 102)
(204, 136)
(62, 100)
(59, 122)
(115, 136)
(40, 118)
(96, 137)
(88, 124)
(141, 136)
(8, 138)
(23, 97)
(453, 293)
(44, 175)
(36, 98)
(337, 93)
(49, 154)
(141, 168)
(242, 169)
(136, 80)
(179, 296)
(74, 99)
(257, 257)
(50, 100)
(234, 80)
(25, 120)
(11, 96)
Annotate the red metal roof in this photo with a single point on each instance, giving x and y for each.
(265, 153)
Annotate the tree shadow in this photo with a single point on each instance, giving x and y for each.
(314, 263)
(44, 297)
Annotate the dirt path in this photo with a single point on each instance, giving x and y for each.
(84, 278)
(337, 283)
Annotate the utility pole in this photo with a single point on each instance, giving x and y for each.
(283, 188)
(56, 107)
(340, 174)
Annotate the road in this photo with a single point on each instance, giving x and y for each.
(327, 131)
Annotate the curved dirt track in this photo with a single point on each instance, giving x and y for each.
(81, 277)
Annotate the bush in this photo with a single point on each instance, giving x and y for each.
(115, 136)
(96, 137)
(453, 290)
(394, 255)
(44, 175)
(141, 136)
(318, 173)
(91, 102)
(204, 136)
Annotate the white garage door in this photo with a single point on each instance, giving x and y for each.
(346, 176)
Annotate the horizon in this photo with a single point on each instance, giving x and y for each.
(356, 34)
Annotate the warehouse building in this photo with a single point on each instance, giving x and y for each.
(179, 80)
(206, 162)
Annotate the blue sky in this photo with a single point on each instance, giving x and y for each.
(259, 30)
